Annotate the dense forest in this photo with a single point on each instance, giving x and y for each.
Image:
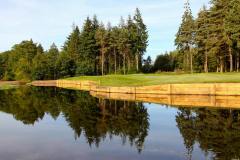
(96, 49)
(208, 43)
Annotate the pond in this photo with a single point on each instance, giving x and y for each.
(50, 123)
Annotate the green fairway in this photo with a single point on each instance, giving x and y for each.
(164, 78)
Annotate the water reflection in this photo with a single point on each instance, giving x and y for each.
(88, 116)
(163, 132)
(216, 131)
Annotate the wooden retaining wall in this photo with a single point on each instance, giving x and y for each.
(220, 89)
(79, 85)
(50, 83)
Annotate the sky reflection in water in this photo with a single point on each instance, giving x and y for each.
(58, 124)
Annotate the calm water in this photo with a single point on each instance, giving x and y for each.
(58, 124)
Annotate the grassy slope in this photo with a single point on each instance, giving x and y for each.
(164, 78)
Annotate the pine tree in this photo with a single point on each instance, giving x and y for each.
(52, 56)
(113, 40)
(123, 45)
(101, 37)
(110, 55)
(66, 66)
(96, 51)
(86, 65)
(201, 37)
(147, 65)
(40, 67)
(132, 39)
(72, 44)
(185, 36)
(40, 49)
(218, 37)
(141, 38)
(232, 26)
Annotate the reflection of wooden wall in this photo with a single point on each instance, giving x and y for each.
(176, 100)
(16, 83)
(232, 89)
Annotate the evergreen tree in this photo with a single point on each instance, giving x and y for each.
(40, 49)
(185, 36)
(163, 63)
(219, 40)
(101, 37)
(86, 65)
(147, 65)
(232, 26)
(132, 40)
(72, 44)
(52, 56)
(123, 45)
(110, 50)
(96, 48)
(40, 67)
(66, 66)
(141, 38)
(201, 38)
(113, 40)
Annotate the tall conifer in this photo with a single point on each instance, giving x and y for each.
(141, 37)
(185, 36)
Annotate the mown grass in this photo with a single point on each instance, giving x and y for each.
(162, 78)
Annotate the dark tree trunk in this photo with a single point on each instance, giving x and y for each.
(187, 61)
(115, 61)
(191, 61)
(103, 62)
(238, 62)
(206, 62)
(230, 59)
(137, 62)
(221, 64)
(119, 63)
(129, 64)
(124, 63)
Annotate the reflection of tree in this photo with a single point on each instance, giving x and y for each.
(185, 121)
(216, 130)
(94, 118)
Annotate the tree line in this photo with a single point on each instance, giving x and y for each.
(96, 49)
(208, 43)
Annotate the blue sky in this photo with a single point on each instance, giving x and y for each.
(48, 21)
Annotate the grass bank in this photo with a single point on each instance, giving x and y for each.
(163, 78)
